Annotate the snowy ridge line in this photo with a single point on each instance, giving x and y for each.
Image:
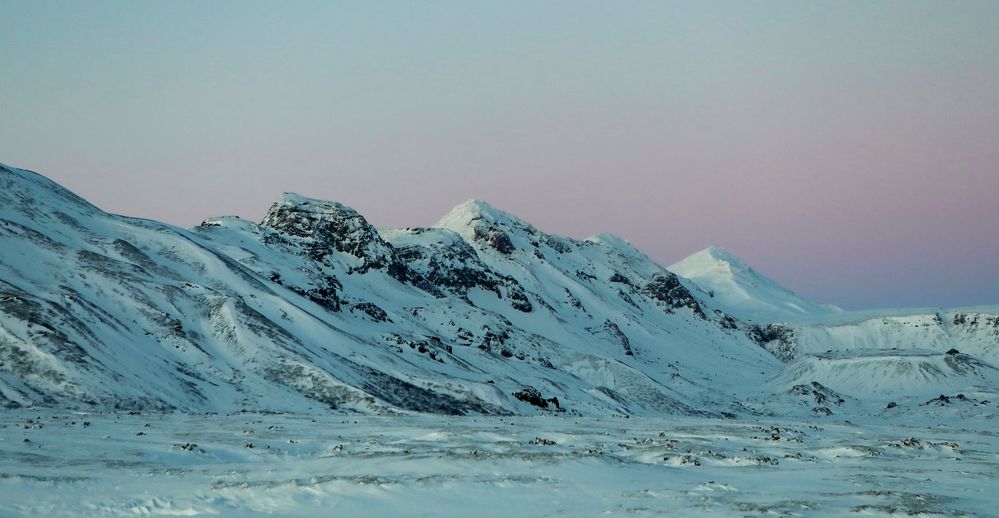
(315, 310)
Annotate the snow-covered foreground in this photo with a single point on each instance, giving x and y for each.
(56, 464)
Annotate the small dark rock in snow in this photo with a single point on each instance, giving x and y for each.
(892, 405)
(531, 395)
(690, 459)
(768, 460)
(941, 401)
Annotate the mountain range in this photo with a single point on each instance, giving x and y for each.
(314, 309)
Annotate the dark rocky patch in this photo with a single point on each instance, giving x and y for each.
(372, 310)
(612, 329)
(666, 289)
(533, 396)
(495, 238)
(819, 392)
(618, 278)
(778, 339)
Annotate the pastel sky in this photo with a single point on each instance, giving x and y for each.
(850, 150)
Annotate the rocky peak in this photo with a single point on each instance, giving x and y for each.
(478, 221)
(477, 210)
(329, 226)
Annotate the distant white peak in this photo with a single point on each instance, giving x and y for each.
(740, 289)
(472, 211)
(716, 261)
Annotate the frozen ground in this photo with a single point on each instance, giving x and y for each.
(57, 464)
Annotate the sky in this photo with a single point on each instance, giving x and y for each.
(849, 150)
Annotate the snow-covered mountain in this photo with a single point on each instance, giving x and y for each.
(315, 309)
(743, 291)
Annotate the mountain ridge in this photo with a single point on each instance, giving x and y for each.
(314, 309)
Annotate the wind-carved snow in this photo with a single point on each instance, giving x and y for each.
(247, 464)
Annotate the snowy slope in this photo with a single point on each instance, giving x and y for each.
(314, 309)
(742, 291)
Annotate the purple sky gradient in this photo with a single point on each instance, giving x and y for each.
(850, 151)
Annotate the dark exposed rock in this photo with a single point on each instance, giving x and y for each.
(821, 410)
(519, 300)
(376, 313)
(612, 329)
(819, 392)
(558, 244)
(617, 277)
(953, 352)
(627, 298)
(326, 294)
(775, 338)
(667, 289)
(726, 321)
(324, 227)
(941, 400)
(976, 320)
(892, 405)
(494, 237)
(452, 265)
(572, 300)
(531, 395)
(493, 340)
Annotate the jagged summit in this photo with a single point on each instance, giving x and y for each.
(742, 290)
(301, 215)
(329, 225)
(297, 202)
(477, 221)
